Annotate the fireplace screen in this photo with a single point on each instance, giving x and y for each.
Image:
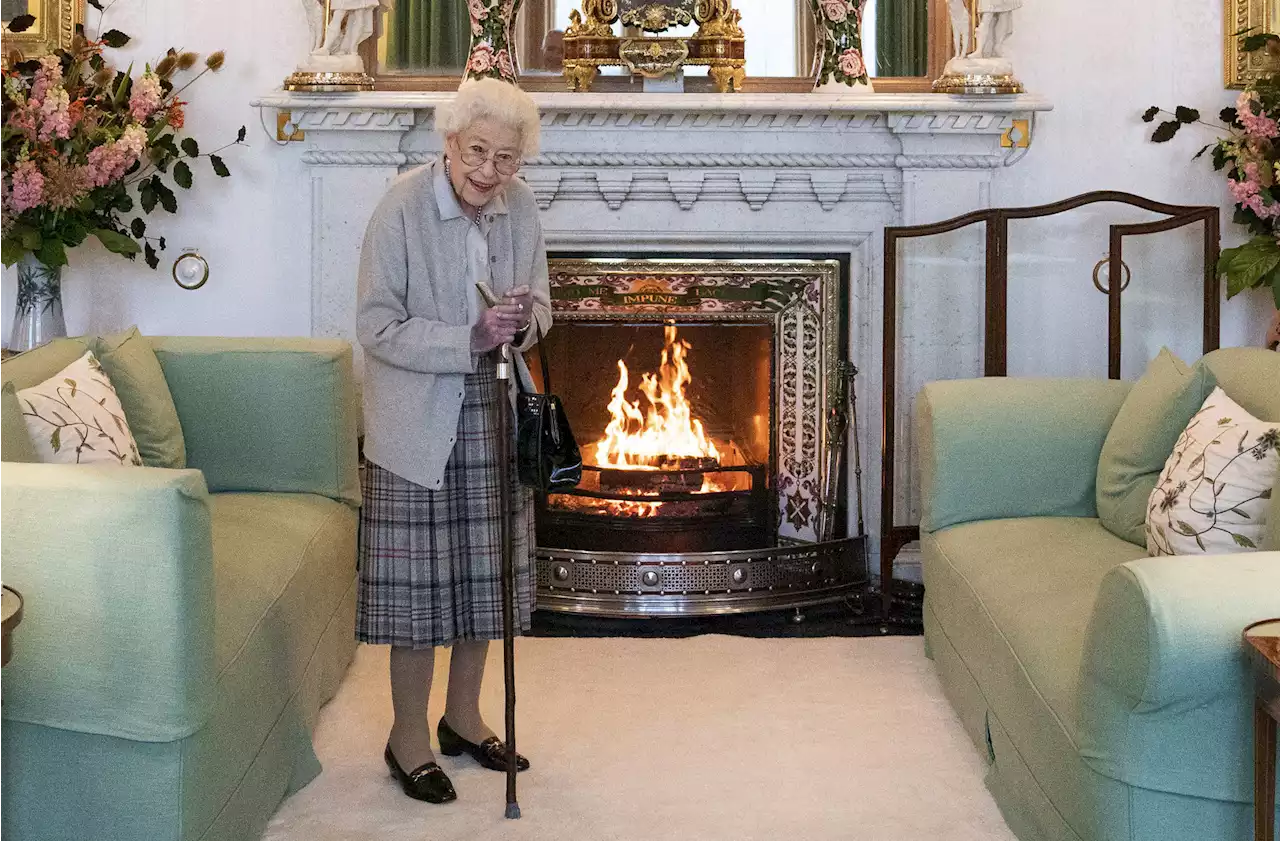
(703, 396)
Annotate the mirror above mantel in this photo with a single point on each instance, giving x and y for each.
(423, 44)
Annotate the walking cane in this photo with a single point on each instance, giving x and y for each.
(505, 435)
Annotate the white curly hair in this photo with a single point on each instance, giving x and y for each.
(495, 100)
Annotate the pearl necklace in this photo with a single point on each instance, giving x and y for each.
(449, 175)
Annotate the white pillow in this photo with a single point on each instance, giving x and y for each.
(74, 417)
(1215, 489)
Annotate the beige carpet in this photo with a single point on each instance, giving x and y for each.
(712, 737)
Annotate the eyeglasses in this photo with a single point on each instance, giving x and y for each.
(504, 162)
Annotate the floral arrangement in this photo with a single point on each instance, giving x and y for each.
(491, 51)
(1250, 156)
(81, 140)
(840, 28)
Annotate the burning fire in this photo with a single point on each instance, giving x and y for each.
(664, 434)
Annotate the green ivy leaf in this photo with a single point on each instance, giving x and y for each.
(1244, 265)
(52, 252)
(191, 147)
(240, 135)
(1243, 541)
(55, 440)
(1253, 43)
(167, 199)
(153, 259)
(97, 4)
(1150, 113)
(1165, 131)
(182, 175)
(11, 251)
(1203, 149)
(1275, 292)
(116, 242)
(22, 23)
(138, 228)
(1185, 114)
(219, 167)
(148, 196)
(1228, 115)
(114, 38)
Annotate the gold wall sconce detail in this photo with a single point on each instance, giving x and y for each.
(1017, 136)
(286, 130)
(190, 271)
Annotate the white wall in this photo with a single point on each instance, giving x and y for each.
(1100, 62)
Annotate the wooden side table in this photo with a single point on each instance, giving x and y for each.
(1262, 641)
(10, 616)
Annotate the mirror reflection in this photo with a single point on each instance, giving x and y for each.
(432, 37)
(10, 9)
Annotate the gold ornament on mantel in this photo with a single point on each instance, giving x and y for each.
(719, 43)
(984, 70)
(338, 28)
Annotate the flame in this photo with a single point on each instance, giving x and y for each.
(665, 429)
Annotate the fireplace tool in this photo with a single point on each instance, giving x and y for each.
(506, 434)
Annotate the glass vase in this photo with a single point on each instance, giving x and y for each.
(839, 61)
(493, 51)
(38, 314)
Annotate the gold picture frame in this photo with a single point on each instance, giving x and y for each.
(1238, 67)
(54, 28)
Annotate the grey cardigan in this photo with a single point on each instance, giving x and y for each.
(416, 307)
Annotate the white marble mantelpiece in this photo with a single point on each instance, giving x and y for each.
(758, 174)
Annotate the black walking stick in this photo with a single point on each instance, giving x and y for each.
(506, 435)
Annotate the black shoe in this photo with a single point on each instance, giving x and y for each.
(427, 782)
(491, 753)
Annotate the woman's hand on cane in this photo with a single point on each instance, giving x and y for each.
(522, 298)
(497, 326)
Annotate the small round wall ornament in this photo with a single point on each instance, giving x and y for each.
(190, 271)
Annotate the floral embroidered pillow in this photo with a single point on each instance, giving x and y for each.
(1215, 490)
(74, 417)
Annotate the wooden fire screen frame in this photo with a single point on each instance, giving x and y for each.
(893, 536)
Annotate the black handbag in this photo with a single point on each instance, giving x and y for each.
(547, 456)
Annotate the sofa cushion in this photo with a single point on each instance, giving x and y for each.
(1013, 598)
(1212, 496)
(75, 417)
(16, 445)
(39, 364)
(1141, 438)
(1251, 377)
(135, 372)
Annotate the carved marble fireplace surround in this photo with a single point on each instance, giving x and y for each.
(739, 174)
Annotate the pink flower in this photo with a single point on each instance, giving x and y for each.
(28, 187)
(835, 10)
(109, 162)
(851, 63)
(146, 96)
(55, 115)
(505, 65)
(1257, 126)
(481, 59)
(48, 76)
(479, 10)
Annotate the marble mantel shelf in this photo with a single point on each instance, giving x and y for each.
(745, 103)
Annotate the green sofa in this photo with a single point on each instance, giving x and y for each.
(182, 626)
(1108, 690)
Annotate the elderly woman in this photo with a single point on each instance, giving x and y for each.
(430, 550)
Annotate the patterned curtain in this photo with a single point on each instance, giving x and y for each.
(428, 35)
(902, 37)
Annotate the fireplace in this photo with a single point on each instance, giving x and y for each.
(708, 397)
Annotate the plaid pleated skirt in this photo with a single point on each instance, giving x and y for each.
(430, 561)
